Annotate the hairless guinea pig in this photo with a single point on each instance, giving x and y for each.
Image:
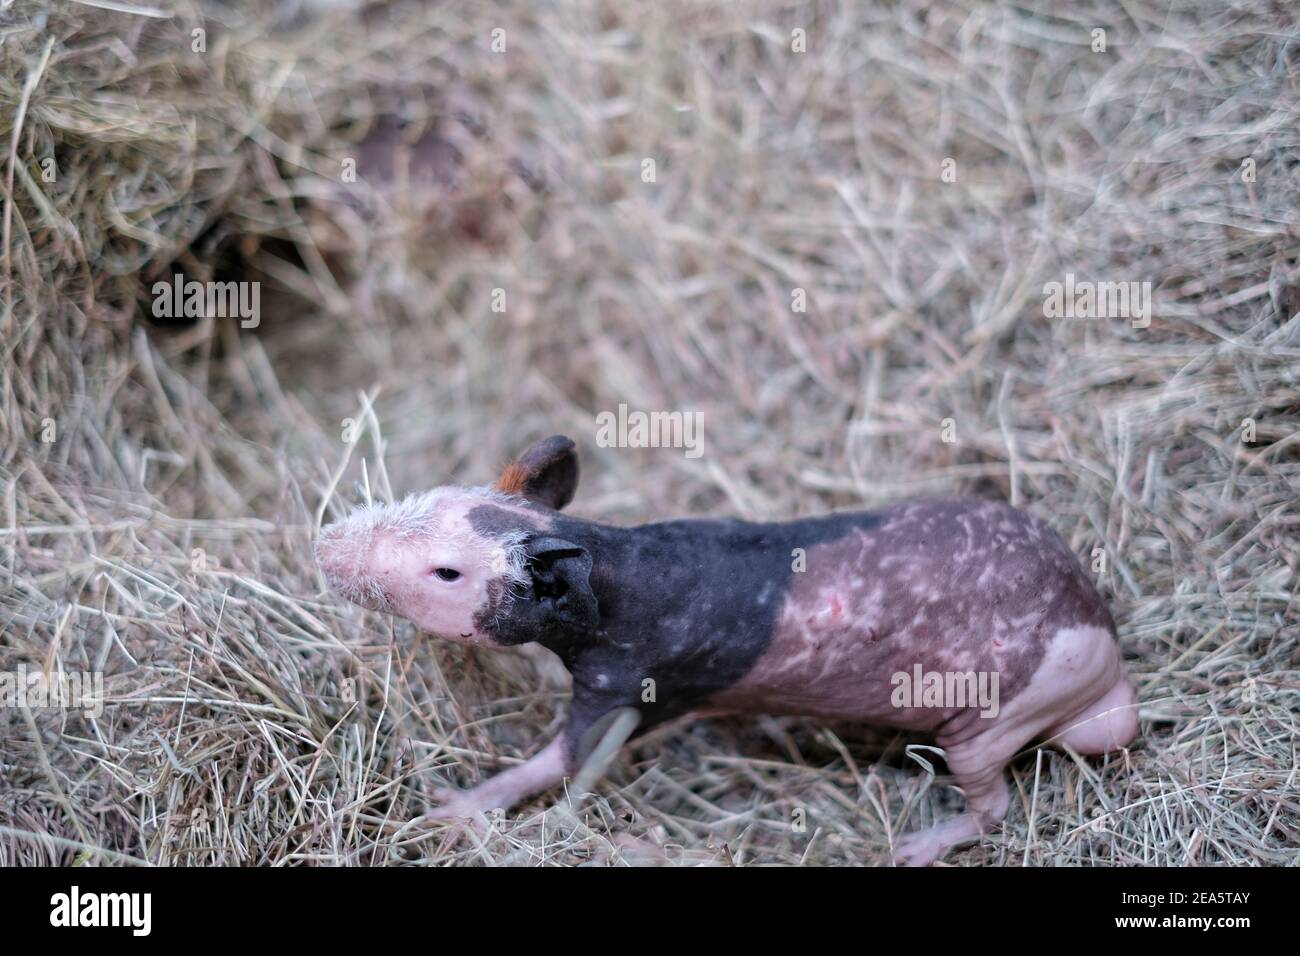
(830, 617)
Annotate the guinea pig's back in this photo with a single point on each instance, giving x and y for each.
(932, 585)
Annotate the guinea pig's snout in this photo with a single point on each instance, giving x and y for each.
(342, 559)
(332, 557)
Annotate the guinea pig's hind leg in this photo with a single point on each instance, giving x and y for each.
(978, 765)
(540, 772)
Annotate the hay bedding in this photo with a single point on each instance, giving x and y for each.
(162, 535)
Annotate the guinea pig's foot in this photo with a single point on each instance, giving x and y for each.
(465, 807)
(925, 846)
(977, 766)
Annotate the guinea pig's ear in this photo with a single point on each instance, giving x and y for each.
(561, 579)
(546, 473)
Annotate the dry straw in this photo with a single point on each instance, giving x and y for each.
(160, 484)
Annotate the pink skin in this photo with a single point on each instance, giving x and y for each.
(951, 604)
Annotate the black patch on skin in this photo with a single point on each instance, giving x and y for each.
(689, 605)
(495, 521)
(560, 578)
(556, 603)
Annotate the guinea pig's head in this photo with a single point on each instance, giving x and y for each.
(473, 565)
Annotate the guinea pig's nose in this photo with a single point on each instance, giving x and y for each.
(344, 559)
(335, 557)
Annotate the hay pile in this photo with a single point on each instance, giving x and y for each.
(160, 533)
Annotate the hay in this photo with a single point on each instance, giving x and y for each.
(162, 535)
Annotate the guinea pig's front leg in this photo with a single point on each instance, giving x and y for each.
(540, 772)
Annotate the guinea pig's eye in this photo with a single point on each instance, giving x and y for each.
(447, 574)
